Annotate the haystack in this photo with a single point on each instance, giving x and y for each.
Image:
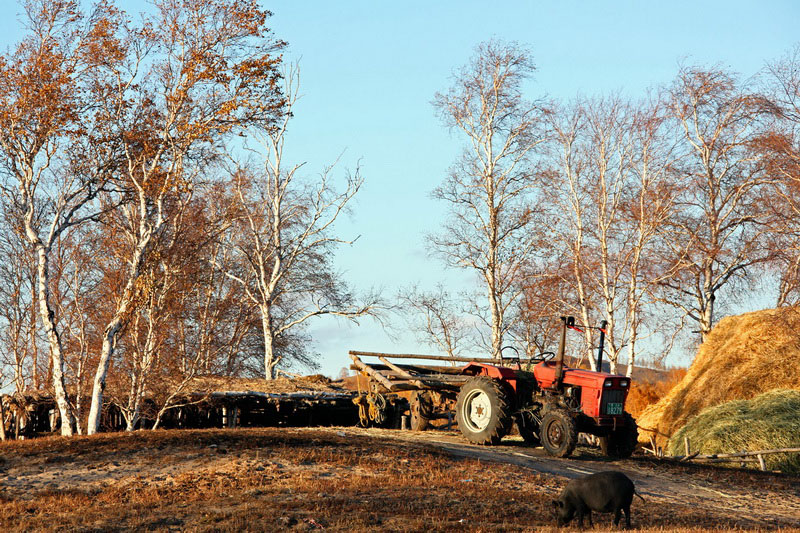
(743, 356)
(768, 421)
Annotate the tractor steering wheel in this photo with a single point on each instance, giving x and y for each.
(547, 356)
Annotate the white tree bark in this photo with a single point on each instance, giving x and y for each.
(286, 242)
(488, 191)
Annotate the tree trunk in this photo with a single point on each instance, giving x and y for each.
(496, 318)
(54, 340)
(270, 359)
(631, 354)
(113, 329)
(109, 343)
(707, 317)
(2, 420)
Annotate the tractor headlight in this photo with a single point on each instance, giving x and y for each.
(623, 383)
(607, 384)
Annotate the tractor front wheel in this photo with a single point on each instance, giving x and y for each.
(621, 443)
(483, 410)
(558, 433)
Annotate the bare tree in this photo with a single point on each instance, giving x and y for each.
(567, 199)
(609, 194)
(647, 210)
(779, 148)
(435, 316)
(286, 241)
(488, 191)
(716, 233)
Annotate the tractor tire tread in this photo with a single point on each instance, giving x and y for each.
(502, 422)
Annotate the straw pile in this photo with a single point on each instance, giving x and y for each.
(768, 421)
(743, 356)
(281, 385)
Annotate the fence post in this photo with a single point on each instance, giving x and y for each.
(762, 463)
(687, 446)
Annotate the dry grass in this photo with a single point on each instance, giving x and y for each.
(280, 479)
(315, 382)
(744, 356)
(768, 421)
(646, 393)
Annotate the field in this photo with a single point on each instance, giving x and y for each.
(349, 479)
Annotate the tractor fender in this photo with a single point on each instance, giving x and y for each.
(505, 375)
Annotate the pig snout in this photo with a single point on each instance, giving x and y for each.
(603, 492)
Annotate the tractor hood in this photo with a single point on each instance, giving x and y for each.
(545, 373)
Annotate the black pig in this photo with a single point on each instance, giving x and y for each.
(603, 492)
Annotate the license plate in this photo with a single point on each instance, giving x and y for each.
(614, 408)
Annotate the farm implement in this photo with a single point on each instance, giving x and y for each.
(549, 402)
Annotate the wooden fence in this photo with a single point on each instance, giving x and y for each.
(742, 456)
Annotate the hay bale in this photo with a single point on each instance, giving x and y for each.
(743, 356)
(768, 421)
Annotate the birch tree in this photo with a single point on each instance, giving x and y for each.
(45, 119)
(647, 211)
(286, 240)
(488, 190)
(610, 157)
(567, 200)
(435, 316)
(609, 195)
(717, 231)
(779, 148)
(193, 74)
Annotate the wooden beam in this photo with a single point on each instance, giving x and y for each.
(438, 357)
(401, 372)
(372, 373)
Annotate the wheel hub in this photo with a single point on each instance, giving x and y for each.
(479, 410)
(555, 433)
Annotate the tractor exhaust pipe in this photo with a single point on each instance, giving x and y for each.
(601, 345)
(566, 321)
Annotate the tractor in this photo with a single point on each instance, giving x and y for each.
(549, 402)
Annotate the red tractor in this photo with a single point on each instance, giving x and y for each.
(549, 402)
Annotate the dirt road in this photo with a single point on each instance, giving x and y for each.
(759, 499)
(387, 479)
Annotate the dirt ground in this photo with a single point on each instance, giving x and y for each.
(351, 479)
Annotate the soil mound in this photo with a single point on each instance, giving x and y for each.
(743, 356)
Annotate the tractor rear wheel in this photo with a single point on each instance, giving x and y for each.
(621, 443)
(421, 410)
(483, 410)
(558, 433)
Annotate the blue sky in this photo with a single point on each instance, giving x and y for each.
(369, 70)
